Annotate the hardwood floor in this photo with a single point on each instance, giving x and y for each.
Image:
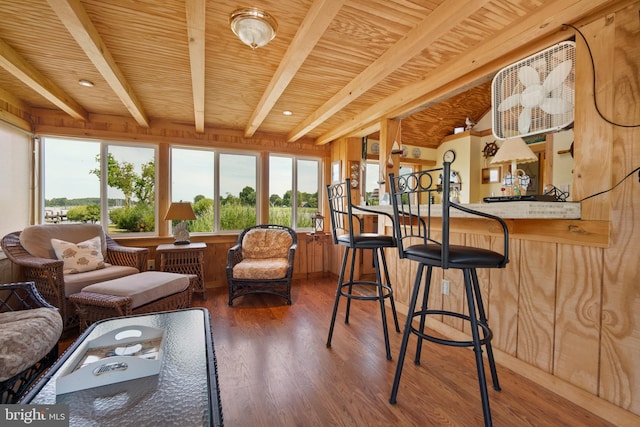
(275, 370)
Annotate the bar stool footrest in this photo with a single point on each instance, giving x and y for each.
(387, 291)
(488, 334)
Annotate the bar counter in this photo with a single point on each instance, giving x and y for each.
(506, 210)
(556, 222)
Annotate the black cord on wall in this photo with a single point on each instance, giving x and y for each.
(595, 103)
(593, 67)
(619, 182)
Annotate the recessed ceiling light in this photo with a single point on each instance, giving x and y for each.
(287, 113)
(86, 83)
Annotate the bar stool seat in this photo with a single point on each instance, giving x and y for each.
(347, 231)
(369, 241)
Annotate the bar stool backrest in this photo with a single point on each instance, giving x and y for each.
(343, 221)
(412, 195)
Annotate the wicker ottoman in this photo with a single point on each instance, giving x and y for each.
(145, 292)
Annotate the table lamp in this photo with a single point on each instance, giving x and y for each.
(180, 211)
(513, 151)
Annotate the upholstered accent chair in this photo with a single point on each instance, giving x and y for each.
(262, 261)
(62, 259)
(29, 332)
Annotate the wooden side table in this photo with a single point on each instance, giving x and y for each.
(184, 259)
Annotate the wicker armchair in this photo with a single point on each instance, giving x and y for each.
(262, 262)
(29, 332)
(49, 279)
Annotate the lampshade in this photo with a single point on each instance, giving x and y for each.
(514, 151)
(254, 27)
(180, 211)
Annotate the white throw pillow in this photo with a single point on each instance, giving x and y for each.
(79, 257)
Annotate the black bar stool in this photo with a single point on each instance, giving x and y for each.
(410, 195)
(347, 230)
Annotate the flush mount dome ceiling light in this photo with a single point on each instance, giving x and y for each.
(254, 27)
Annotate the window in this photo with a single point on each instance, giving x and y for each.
(73, 172)
(238, 191)
(280, 190)
(293, 198)
(193, 180)
(371, 181)
(131, 190)
(71, 191)
(308, 183)
(222, 188)
(115, 184)
(373, 175)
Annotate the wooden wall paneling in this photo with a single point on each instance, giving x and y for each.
(536, 304)
(504, 292)
(578, 310)
(455, 301)
(303, 255)
(484, 275)
(215, 264)
(436, 299)
(402, 274)
(213, 271)
(620, 348)
(326, 254)
(336, 258)
(592, 147)
(313, 246)
(370, 226)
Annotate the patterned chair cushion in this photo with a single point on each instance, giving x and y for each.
(262, 243)
(26, 336)
(261, 269)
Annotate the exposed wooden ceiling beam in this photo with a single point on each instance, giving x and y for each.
(75, 18)
(11, 61)
(439, 22)
(196, 13)
(315, 23)
(515, 42)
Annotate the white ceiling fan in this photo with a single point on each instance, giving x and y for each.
(535, 95)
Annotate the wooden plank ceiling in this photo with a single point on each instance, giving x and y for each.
(341, 66)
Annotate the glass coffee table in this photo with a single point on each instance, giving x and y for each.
(184, 393)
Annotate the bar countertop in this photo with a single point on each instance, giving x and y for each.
(507, 210)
